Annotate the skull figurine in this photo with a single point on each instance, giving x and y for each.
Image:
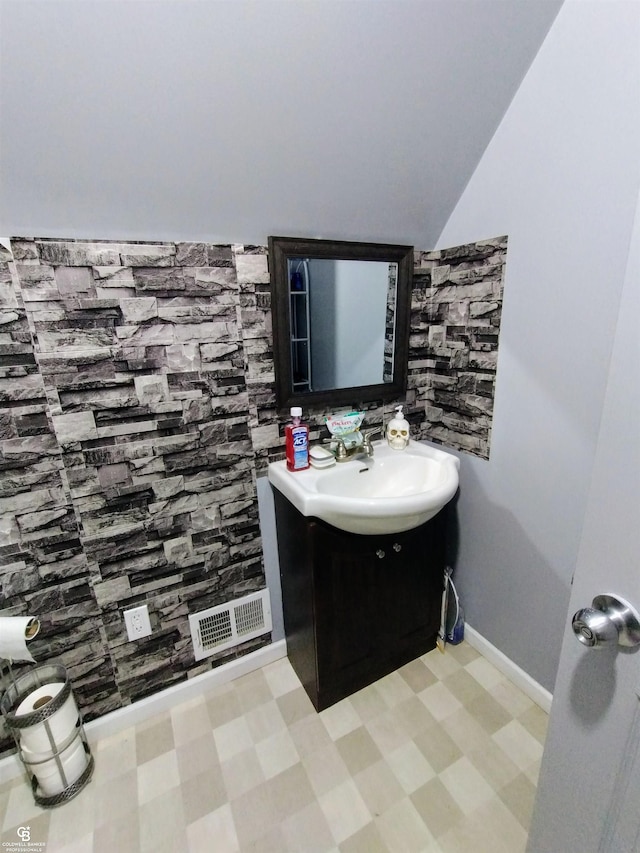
(398, 431)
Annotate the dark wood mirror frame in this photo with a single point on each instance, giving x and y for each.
(281, 249)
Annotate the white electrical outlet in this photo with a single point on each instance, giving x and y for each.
(137, 622)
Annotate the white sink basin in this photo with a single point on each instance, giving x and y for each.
(392, 491)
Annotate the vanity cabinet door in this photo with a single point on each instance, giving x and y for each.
(412, 580)
(377, 603)
(347, 581)
(356, 607)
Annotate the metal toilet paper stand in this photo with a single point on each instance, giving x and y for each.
(59, 748)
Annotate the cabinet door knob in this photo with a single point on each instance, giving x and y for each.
(397, 547)
(380, 553)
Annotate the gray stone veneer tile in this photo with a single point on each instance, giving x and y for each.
(138, 407)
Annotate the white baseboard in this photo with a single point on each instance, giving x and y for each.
(519, 677)
(130, 715)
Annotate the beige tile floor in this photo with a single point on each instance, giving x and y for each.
(441, 756)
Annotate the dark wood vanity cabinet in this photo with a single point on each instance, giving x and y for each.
(356, 607)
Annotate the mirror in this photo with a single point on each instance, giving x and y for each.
(340, 320)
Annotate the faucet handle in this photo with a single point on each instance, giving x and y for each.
(367, 433)
(341, 451)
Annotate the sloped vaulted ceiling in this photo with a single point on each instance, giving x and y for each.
(229, 121)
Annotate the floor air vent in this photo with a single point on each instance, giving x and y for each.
(230, 624)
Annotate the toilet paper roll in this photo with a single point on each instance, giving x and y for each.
(46, 770)
(15, 633)
(61, 722)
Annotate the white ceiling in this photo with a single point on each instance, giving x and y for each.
(230, 120)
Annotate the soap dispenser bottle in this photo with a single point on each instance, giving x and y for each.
(297, 441)
(398, 430)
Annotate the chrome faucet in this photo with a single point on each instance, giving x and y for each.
(343, 453)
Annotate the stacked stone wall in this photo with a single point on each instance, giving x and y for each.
(138, 408)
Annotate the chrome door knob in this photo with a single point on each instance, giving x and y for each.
(609, 621)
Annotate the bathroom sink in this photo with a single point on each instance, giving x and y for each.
(392, 491)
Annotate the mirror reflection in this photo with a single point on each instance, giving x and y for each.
(326, 296)
(341, 317)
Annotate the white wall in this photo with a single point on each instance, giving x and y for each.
(347, 300)
(560, 177)
(230, 120)
(361, 295)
